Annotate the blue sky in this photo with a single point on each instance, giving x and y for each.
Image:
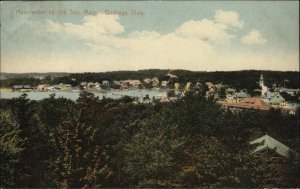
(195, 35)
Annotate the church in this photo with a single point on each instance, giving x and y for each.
(273, 98)
(264, 89)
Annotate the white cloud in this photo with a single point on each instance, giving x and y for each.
(92, 26)
(103, 27)
(141, 48)
(253, 37)
(206, 30)
(144, 34)
(229, 18)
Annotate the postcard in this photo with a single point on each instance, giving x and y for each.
(151, 94)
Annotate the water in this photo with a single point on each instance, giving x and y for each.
(114, 94)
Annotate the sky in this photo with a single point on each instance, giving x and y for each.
(90, 36)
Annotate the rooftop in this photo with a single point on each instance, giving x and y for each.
(250, 103)
(271, 143)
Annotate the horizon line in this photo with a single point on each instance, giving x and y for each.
(146, 70)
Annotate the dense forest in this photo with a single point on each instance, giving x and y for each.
(192, 142)
(236, 79)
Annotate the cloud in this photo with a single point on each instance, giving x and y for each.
(92, 26)
(195, 45)
(205, 30)
(147, 47)
(229, 18)
(144, 34)
(253, 37)
(105, 27)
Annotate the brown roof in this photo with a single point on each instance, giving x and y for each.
(250, 103)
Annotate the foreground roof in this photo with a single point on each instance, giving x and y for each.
(271, 143)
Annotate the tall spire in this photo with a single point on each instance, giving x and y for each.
(264, 89)
(261, 80)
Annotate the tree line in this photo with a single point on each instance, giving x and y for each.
(247, 79)
(192, 142)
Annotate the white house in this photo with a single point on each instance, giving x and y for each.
(65, 87)
(164, 83)
(42, 87)
(134, 83)
(105, 83)
(155, 82)
(274, 98)
(147, 80)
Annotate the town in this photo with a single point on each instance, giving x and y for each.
(262, 98)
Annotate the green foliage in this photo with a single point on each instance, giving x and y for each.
(151, 154)
(171, 93)
(292, 169)
(10, 149)
(7, 83)
(222, 92)
(79, 159)
(191, 142)
(30, 130)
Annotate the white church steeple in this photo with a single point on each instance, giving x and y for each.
(261, 80)
(264, 89)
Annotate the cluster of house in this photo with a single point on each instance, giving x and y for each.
(42, 87)
(214, 90)
(127, 84)
(267, 100)
(153, 82)
(105, 84)
(92, 85)
(231, 99)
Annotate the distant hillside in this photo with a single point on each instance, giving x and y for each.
(4, 75)
(246, 79)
